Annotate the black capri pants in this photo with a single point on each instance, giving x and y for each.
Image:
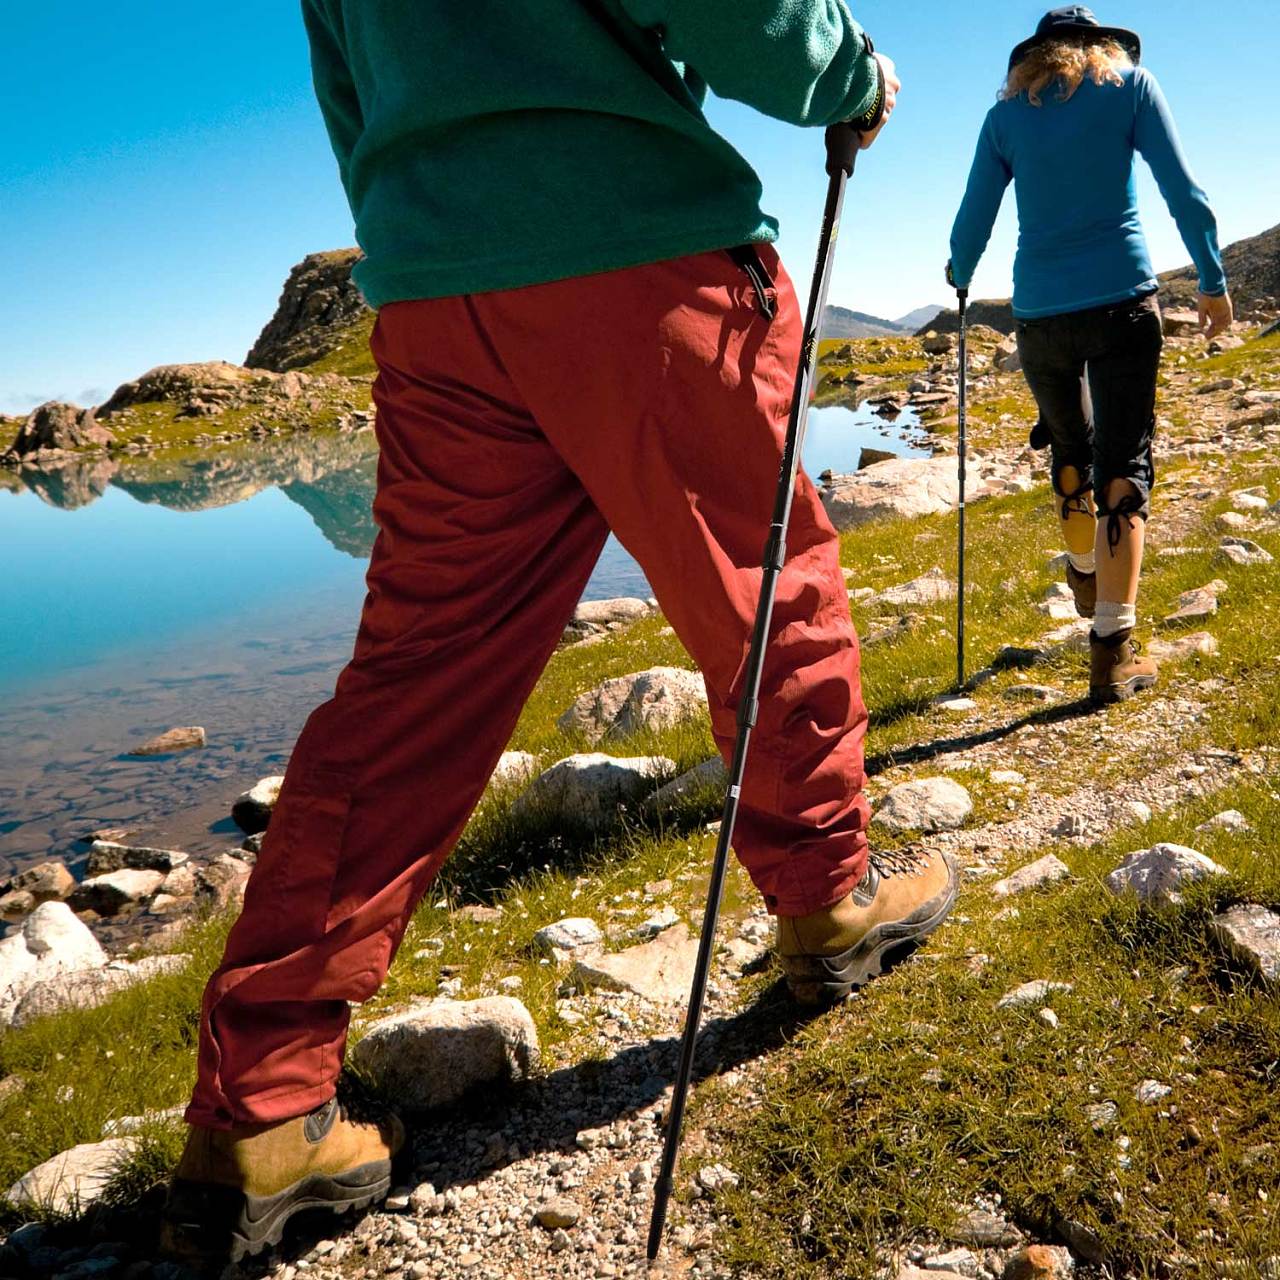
(1093, 374)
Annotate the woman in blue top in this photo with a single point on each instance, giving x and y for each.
(1073, 112)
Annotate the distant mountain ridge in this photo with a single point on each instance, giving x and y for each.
(840, 322)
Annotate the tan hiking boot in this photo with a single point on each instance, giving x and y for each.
(1116, 672)
(235, 1189)
(1084, 586)
(903, 898)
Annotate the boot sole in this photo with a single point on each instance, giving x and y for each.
(820, 981)
(1109, 694)
(206, 1223)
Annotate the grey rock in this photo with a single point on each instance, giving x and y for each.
(984, 1229)
(51, 941)
(1101, 1114)
(928, 588)
(56, 425)
(184, 738)
(45, 882)
(106, 856)
(1197, 604)
(657, 923)
(1007, 358)
(588, 788)
(252, 809)
(1149, 1092)
(435, 1051)
(571, 934)
(598, 617)
(902, 488)
(1042, 871)
(1243, 551)
(656, 699)
(661, 970)
(710, 775)
(116, 891)
(557, 1214)
(960, 1262)
(1197, 643)
(221, 881)
(1156, 875)
(1084, 1242)
(1228, 820)
(868, 457)
(713, 1178)
(88, 988)
(513, 767)
(1029, 993)
(1251, 933)
(318, 305)
(72, 1180)
(925, 804)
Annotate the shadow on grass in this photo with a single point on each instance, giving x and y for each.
(452, 1147)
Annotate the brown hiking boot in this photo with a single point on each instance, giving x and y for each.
(903, 898)
(235, 1189)
(1116, 672)
(1084, 586)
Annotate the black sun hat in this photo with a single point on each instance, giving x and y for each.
(1076, 20)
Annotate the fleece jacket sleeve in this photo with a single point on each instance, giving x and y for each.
(334, 88)
(802, 61)
(1156, 138)
(988, 178)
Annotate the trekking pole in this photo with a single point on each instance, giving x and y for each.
(842, 148)
(963, 296)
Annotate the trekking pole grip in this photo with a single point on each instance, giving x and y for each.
(843, 141)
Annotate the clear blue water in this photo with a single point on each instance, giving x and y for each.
(223, 593)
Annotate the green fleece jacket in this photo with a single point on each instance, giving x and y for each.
(487, 146)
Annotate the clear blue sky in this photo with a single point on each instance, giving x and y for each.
(163, 165)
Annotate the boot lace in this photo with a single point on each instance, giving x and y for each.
(898, 862)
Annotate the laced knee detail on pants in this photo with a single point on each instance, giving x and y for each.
(1129, 508)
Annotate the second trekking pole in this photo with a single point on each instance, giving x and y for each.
(842, 149)
(963, 296)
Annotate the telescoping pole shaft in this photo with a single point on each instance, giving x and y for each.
(963, 296)
(842, 149)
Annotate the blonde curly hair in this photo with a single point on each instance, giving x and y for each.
(1066, 63)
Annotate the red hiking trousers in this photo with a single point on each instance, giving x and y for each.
(516, 429)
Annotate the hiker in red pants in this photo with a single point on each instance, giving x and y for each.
(582, 326)
(1075, 109)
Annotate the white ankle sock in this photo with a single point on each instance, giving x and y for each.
(1112, 617)
(1083, 564)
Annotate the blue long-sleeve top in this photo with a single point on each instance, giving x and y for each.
(1080, 241)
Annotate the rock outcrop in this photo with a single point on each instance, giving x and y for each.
(57, 426)
(319, 304)
(902, 488)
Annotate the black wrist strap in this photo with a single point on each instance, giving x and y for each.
(872, 116)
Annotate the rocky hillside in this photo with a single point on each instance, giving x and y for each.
(1253, 270)
(317, 308)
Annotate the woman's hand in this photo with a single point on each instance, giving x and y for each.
(891, 86)
(1216, 314)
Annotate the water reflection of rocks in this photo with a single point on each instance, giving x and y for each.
(330, 475)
